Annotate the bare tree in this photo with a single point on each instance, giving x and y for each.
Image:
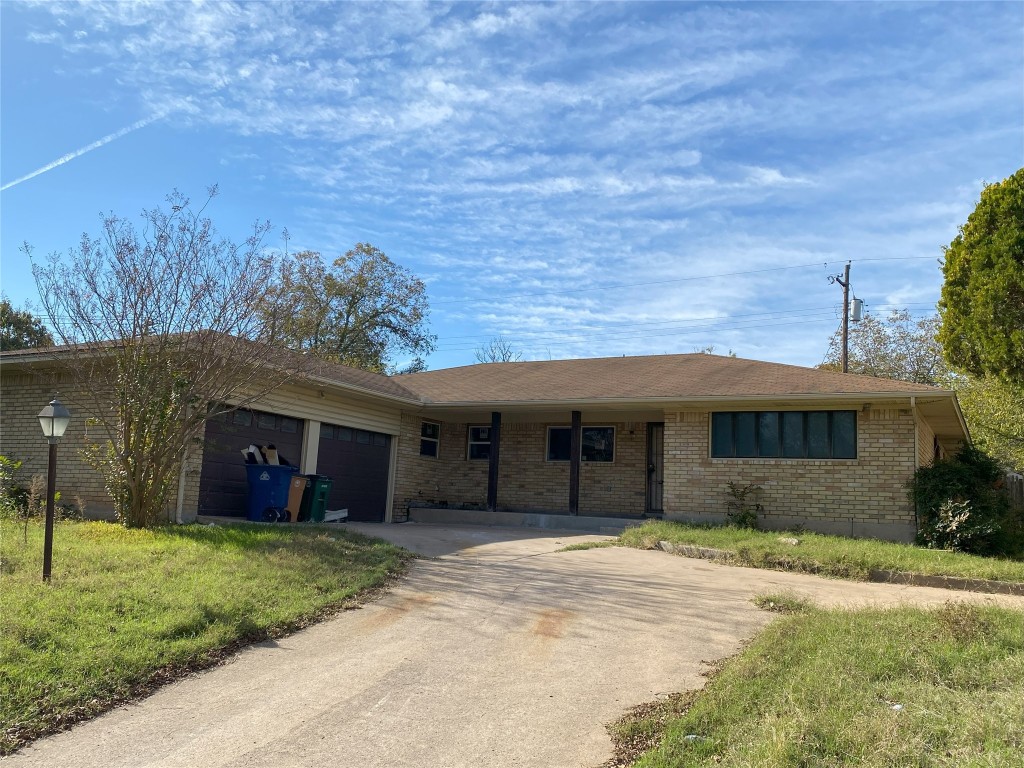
(892, 347)
(166, 326)
(498, 350)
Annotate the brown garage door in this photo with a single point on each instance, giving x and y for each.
(357, 461)
(223, 488)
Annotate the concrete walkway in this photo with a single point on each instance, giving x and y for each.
(499, 652)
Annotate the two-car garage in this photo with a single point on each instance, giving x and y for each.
(357, 460)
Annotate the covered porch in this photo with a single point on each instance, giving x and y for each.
(524, 466)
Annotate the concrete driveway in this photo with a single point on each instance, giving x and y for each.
(501, 651)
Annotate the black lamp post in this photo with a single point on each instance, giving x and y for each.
(54, 420)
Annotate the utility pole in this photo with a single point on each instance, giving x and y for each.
(845, 282)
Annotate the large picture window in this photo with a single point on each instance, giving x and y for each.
(430, 438)
(784, 434)
(597, 445)
(479, 443)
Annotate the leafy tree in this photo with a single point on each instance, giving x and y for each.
(363, 310)
(891, 347)
(165, 321)
(498, 350)
(982, 304)
(20, 329)
(994, 411)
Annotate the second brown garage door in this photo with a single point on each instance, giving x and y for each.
(357, 461)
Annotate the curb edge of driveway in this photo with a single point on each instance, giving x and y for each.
(876, 575)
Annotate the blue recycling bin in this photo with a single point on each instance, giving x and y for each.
(268, 491)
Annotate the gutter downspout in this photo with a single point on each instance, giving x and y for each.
(917, 452)
(917, 432)
(180, 505)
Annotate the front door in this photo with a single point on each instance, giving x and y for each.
(655, 467)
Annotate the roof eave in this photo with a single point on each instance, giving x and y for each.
(342, 385)
(675, 400)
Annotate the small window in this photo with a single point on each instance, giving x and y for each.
(817, 435)
(479, 443)
(768, 434)
(793, 435)
(343, 433)
(242, 418)
(430, 438)
(844, 435)
(379, 439)
(289, 425)
(559, 440)
(362, 437)
(326, 432)
(266, 421)
(597, 444)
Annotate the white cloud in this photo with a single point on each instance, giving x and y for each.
(534, 146)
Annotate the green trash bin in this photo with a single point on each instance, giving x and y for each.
(314, 500)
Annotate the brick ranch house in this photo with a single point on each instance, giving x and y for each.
(615, 437)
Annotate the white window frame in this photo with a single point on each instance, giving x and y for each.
(470, 442)
(435, 440)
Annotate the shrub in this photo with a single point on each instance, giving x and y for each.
(960, 505)
(13, 496)
(743, 505)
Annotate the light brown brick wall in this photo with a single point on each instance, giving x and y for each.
(22, 396)
(859, 497)
(526, 481)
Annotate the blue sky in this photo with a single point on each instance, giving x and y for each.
(582, 179)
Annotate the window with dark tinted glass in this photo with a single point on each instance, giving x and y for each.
(597, 444)
(479, 443)
(430, 437)
(785, 434)
(559, 439)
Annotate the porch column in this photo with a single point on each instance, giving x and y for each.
(492, 463)
(575, 450)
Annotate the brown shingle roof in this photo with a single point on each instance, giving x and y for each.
(304, 365)
(651, 377)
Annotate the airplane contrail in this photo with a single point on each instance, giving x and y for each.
(79, 152)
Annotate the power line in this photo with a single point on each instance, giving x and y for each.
(581, 334)
(631, 324)
(568, 291)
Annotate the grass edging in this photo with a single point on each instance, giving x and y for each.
(877, 575)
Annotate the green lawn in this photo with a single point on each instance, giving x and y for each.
(828, 555)
(129, 609)
(872, 688)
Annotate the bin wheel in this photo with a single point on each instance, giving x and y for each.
(271, 515)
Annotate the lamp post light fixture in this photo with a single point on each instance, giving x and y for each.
(54, 420)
